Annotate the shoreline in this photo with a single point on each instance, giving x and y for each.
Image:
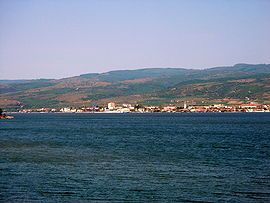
(115, 112)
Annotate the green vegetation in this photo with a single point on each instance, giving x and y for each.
(30, 85)
(34, 102)
(56, 91)
(149, 86)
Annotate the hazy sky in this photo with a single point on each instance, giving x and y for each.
(60, 38)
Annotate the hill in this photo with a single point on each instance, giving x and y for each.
(238, 83)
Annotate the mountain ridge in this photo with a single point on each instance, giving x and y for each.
(148, 86)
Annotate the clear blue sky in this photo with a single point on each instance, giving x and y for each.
(60, 38)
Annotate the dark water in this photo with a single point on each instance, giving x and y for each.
(135, 158)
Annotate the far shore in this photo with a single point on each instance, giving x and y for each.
(115, 112)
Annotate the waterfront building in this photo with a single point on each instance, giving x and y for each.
(185, 105)
(111, 106)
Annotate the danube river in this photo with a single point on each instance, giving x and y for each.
(180, 157)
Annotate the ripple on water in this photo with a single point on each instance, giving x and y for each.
(135, 158)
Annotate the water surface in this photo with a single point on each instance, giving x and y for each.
(180, 157)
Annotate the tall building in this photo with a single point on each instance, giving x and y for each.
(185, 105)
(111, 105)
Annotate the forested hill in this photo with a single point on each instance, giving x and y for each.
(238, 83)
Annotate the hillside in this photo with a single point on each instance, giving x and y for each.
(237, 83)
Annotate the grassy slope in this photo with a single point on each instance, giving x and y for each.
(148, 86)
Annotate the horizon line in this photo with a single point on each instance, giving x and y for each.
(144, 68)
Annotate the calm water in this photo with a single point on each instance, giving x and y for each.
(135, 157)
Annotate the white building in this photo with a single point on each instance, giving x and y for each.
(123, 110)
(185, 105)
(111, 106)
(68, 110)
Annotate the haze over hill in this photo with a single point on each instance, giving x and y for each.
(238, 83)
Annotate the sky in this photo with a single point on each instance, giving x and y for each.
(62, 38)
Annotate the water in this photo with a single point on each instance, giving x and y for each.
(209, 157)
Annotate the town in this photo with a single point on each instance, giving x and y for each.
(112, 107)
